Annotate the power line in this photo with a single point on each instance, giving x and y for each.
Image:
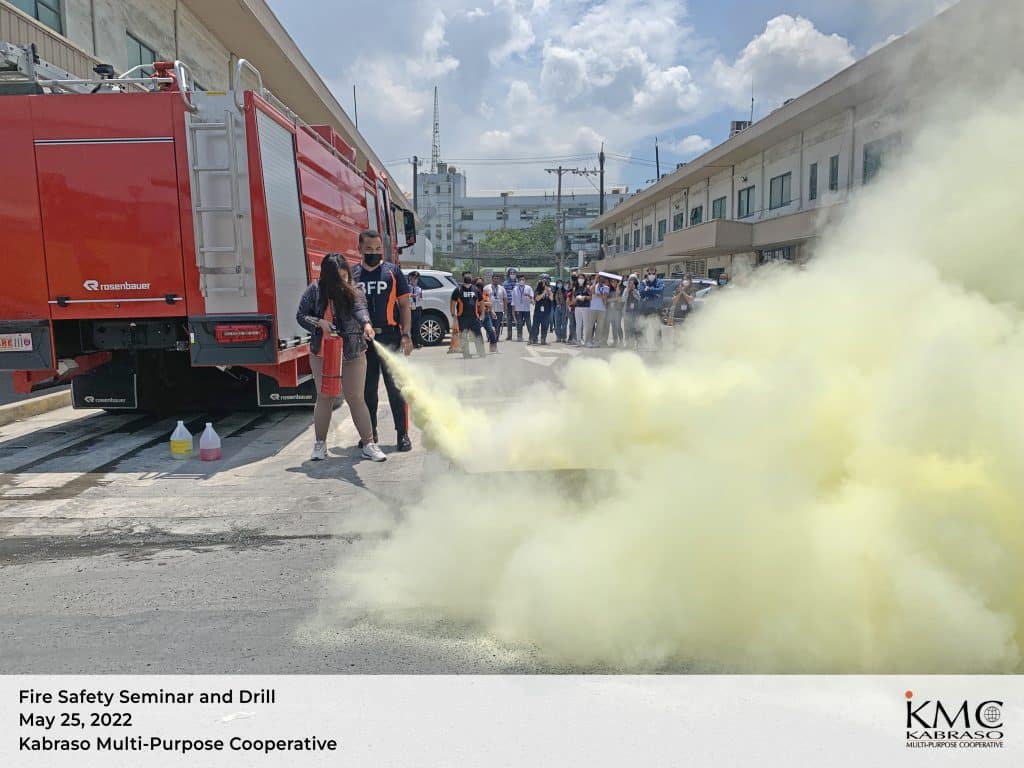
(497, 159)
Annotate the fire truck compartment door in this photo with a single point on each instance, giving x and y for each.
(111, 226)
(284, 221)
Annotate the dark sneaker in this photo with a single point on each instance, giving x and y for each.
(404, 443)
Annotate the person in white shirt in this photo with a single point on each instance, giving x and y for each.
(416, 302)
(597, 329)
(522, 300)
(495, 294)
(581, 308)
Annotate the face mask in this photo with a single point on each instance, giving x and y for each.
(686, 283)
(373, 259)
(479, 285)
(722, 282)
(650, 278)
(467, 280)
(580, 281)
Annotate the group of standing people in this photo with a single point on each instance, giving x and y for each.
(593, 311)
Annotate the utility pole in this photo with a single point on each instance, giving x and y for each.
(657, 160)
(355, 106)
(600, 209)
(415, 183)
(600, 173)
(559, 239)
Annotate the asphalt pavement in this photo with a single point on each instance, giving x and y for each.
(116, 558)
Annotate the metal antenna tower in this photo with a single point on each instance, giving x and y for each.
(435, 152)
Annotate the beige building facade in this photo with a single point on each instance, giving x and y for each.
(207, 35)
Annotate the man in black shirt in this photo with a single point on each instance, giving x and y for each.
(467, 303)
(387, 298)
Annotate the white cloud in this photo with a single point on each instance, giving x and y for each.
(667, 95)
(496, 141)
(431, 62)
(520, 99)
(623, 56)
(519, 35)
(788, 58)
(690, 146)
(547, 79)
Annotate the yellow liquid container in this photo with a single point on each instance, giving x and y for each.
(181, 442)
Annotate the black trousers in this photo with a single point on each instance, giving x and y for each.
(375, 367)
(541, 324)
(522, 320)
(417, 317)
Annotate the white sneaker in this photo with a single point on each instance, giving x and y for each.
(319, 450)
(373, 452)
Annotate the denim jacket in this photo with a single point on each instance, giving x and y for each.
(312, 307)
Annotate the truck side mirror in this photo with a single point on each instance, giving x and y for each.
(409, 219)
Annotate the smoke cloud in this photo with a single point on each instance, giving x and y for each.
(825, 478)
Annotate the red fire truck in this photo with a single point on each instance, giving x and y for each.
(157, 238)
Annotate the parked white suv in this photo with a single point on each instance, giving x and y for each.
(436, 319)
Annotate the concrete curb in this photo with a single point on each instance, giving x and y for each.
(34, 406)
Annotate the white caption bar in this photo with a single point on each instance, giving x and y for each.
(511, 721)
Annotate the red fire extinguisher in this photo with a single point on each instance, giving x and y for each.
(331, 349)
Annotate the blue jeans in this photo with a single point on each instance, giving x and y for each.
(558, 320)
(492, 335)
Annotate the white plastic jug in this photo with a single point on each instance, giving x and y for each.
(181, 442)
(209, 444)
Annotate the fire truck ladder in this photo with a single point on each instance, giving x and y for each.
(203, 211)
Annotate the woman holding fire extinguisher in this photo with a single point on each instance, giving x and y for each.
(333, 310)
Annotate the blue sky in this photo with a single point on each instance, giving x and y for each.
(551, 79)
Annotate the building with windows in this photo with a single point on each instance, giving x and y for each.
(767, 192)
(457, 222)
(436, 196)
(208, 35)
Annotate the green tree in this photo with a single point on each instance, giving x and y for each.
(538, 239)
